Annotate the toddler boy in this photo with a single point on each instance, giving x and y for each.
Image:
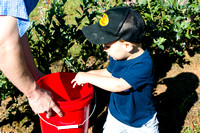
(129, 76)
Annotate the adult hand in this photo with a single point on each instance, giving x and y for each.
(42, 102)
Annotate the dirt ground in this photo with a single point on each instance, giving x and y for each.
(176, 99)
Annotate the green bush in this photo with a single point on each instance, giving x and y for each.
(172, 30)
(52, 39)
(172, 27)
(6, 88)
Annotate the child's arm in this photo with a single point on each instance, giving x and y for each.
(108, 83)
(102, 72)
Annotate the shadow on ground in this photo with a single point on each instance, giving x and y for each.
(174, 104)
(98, 118)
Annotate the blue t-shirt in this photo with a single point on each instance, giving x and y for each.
(133, 107)
(19, 9)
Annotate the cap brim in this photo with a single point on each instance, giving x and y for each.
(94, 34)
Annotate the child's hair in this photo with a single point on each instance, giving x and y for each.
(137, 44)
(117, 23)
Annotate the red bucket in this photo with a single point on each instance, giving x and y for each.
(74, 102)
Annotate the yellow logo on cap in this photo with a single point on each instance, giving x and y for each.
(104, 20)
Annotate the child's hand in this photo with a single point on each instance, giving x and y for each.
(80, 79)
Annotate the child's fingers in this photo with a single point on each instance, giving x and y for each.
(74, 85)
(73, 81)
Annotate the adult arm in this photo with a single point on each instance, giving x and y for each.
(13, 65)
(29, 58)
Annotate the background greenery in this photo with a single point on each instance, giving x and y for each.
(172, 30)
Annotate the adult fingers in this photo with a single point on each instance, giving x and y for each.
(54, 107)
(49, 113)
(58, 111)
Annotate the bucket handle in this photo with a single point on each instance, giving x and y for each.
(71, 126)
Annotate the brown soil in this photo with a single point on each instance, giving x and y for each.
(176, 99)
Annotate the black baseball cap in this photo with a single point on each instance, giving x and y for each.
(117, 23)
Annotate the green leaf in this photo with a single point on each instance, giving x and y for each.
(186, 35)
(155, 9)
(168, 17)
(147, 15)
(180, 53)
(195, 36)
(142, 2)
(178, 18)
(161, 47)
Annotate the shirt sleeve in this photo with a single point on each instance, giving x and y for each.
(19, 9)
(110, 66)
(138, 75)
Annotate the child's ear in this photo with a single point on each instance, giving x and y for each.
(128, 46)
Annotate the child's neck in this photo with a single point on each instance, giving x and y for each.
(135, 53)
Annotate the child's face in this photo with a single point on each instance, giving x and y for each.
(116, 50)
